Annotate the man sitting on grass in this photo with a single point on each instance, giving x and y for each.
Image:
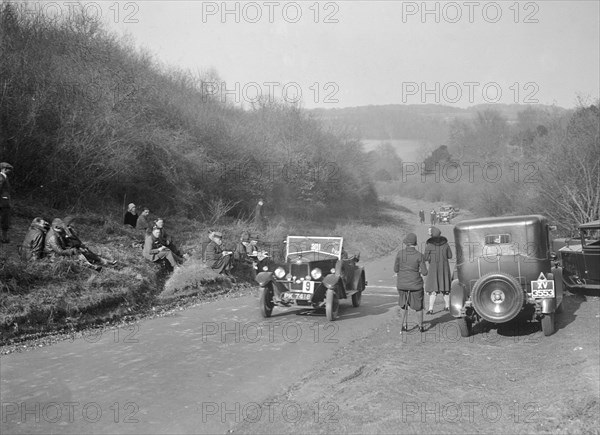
(142, 223)
(155, 251)
(240, 255)
(216, 258)
(73, 241)
(32, 247)
(56, 245)
(165, 238)
(258, 256)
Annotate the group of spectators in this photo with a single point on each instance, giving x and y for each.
(43, 240)
(434, 217)
(160, 247)
(59, 240)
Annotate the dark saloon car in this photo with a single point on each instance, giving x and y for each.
(580, 258)
(504, 270)
(317, 273)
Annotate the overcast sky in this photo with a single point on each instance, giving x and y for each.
(379, 52)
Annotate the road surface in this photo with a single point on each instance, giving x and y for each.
(201, 370)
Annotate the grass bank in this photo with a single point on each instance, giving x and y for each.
(44, 297)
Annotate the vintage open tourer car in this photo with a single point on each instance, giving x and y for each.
(580, 257)
(317, 273)
(504, 270)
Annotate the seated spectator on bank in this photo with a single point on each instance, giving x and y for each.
(142, 223)
(55, 245)
(32, 247)
(73, 241)
(240, 255)
(155, 251)
(256, 251)
(165, 238)
(131, 216)
(259, 256)
(218, 259)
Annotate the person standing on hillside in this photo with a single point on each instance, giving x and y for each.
(259, 219)
(422, 216)
(437, 253)
(432, 216)
(409, 266)
(5, 169)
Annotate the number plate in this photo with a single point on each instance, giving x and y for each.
(308, 286)
(542, 289)
(300, 296)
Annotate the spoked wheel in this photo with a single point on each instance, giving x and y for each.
(266, 300)
(332, 305)
(356, 297)
(548, 325)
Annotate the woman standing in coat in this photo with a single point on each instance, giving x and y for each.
(437, 253)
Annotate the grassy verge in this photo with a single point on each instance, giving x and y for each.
(45, 297)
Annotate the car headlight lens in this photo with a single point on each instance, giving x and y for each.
(279, 272)
(316, 273)
(265, 268)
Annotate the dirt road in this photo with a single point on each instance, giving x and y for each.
(198, 371)
(219, 367)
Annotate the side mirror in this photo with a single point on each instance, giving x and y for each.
(552, 227)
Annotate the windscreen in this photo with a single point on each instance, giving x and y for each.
(314, 248)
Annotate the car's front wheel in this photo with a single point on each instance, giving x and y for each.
(266, 300)
(332, 304)
(548, 324)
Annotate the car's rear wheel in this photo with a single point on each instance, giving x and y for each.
(548, 325)
(266, 300)
(356, 297)
(497, 297)
(332, 304)
(465, 326)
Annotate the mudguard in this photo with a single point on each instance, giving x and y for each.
(557, 276)
(331, 280)
(458, 296)
(357, 277)
(263, 278)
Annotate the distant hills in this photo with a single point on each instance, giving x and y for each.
(428, 123)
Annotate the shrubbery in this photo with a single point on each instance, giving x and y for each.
(87, 118)
(545, 163)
